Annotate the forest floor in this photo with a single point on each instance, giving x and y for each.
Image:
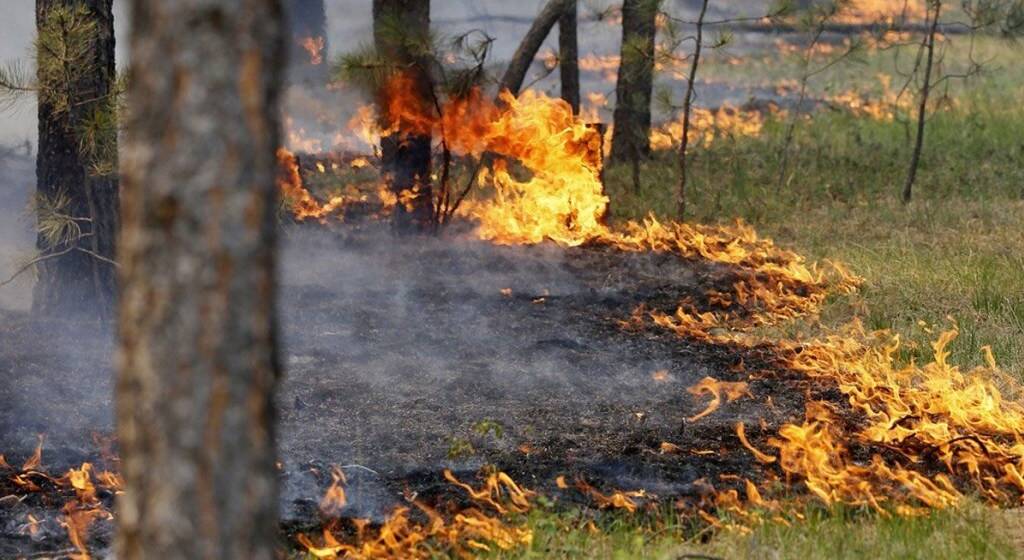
(955, 253)
(396, 389)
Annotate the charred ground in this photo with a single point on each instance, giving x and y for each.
(404, 358)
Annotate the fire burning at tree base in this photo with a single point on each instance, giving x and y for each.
(737, 437)
(452, 334)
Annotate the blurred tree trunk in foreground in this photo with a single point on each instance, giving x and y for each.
(76, 184)
(632, 117)
(569, 57)
(308, 48)
(401, 35)
(197, 366)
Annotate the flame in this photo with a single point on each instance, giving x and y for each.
(706, 126)
(884, 11)
(314, 46)
(715, 388)
(471, 530)
(334, 499)
(742, 435)
(36, 460)
(302, 203)
(616, 500)
(82, 508)
(900, 426)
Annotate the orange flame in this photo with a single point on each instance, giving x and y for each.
(470, 530)
(314, 47)
(715, 388)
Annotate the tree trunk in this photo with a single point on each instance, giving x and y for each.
(684, 142)
(76, 271)
(632, 117)
(406, 155)
(922, 110)
(307, 52)
(569, 57)
(553, 11)
(197, 366)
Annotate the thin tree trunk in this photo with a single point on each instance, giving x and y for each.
(307, 53)
(635, 86)
(197, 366)
(405, 155)
(687, 106)
(82, 280)
(569, 57)
(514, 75)
(915, 158)
(805, 78)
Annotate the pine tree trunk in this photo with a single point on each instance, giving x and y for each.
(569, 57)
(405, 156)
(197, 366)
(632, 117)
(80, 277)
(307, 53)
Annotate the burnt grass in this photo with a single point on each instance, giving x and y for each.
(405, 357)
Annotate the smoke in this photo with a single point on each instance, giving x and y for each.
(410, 356)
(17, 182)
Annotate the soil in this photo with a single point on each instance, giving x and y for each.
(406, 357)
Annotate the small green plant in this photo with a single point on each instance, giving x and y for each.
(485, 427)
(460, 448)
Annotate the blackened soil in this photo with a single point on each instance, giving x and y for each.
(406, 357)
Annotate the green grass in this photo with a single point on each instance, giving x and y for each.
(955, 253)
(973, 531)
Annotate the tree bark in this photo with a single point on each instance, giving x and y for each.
(514, 75)
(400, 29)
(308, 50)
(79, 278)
(197, 365)
(635, 86)
(922, 110)
(569, 57)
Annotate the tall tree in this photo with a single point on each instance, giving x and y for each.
(197, 365)
(308, 42)
(569, 57)
(77, 192)
(632, 117)
(401, 34)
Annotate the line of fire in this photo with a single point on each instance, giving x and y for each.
(454, 279)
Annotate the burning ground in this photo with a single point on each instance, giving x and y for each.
(616, 366)
(406, 359)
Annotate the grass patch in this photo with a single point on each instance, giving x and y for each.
(957, 251)
(973, 531)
